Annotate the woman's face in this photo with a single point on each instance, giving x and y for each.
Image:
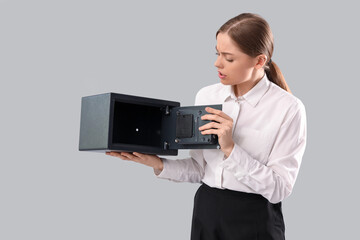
(234, 66)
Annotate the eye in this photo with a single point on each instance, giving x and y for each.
(229, 60)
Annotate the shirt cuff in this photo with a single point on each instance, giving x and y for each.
(239, 162)
(169, 172)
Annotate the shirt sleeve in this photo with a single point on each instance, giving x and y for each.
(184, 170)
(275, 179)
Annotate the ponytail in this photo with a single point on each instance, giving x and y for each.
(274, 74)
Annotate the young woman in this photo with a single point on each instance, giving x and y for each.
(262, 134)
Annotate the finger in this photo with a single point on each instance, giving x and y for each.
(124, 158)
(218, 112)
(140, 155)
(210, 131)
(117, 154)
(213, 118)
(114, 154)
(210, 125)
(132, 157)
(128, 155)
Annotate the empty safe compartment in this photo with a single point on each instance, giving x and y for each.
(136, 124)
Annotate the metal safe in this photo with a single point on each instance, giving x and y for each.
(120, 122)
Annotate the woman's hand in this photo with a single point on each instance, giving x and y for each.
(222, 128)
(146, 159)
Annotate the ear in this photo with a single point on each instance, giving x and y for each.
(260, 61)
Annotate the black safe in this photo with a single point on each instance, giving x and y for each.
(120, 122)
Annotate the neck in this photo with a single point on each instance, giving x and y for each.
(242, 88)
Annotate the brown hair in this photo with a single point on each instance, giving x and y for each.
(253, 36)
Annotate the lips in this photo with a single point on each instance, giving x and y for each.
(222, 76)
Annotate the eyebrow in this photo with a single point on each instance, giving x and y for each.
(225, 53)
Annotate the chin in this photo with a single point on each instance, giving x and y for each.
(223, 81)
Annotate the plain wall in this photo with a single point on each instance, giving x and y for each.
(52, 53)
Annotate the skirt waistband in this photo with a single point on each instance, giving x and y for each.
(232, 193)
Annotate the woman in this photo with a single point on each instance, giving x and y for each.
(262, 134)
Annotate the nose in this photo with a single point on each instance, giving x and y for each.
(218, 63)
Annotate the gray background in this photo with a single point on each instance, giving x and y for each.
(54, 52)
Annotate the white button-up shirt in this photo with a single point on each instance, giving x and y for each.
(269, 132)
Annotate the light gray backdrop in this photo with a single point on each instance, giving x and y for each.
(54, 52)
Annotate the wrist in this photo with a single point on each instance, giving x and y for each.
(158, 169)
(228, 151)
(159, 166)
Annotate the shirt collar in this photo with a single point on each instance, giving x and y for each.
(253, 96)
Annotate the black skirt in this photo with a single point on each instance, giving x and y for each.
(231, 215)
